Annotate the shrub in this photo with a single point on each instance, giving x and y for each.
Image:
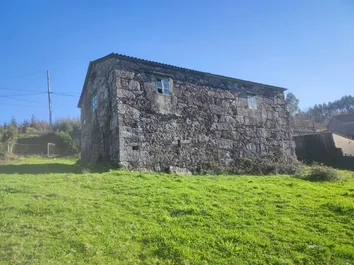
(281, 164)
(65, 127)
(319, 173)
(67, 124)
(2, 151)
(30, 130)
(9, 135)
(5, 156)
(265, 165)
(66, 144)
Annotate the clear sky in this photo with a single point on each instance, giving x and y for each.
(306, 46)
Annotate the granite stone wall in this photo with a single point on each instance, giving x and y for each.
(205, 121)
(99, 133)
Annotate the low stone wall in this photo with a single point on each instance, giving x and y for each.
(328, 148)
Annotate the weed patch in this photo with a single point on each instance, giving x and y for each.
(318, 173)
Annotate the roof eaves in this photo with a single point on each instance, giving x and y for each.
(135, 59)
(130, 58)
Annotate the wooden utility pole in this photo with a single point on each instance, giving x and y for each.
(49, 102)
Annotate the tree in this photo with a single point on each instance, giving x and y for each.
(34, 122)
(67, 124)
(9, 135)
(13, 122)
(65, 127)
(293, 104)
(322, 113)
(24, 126)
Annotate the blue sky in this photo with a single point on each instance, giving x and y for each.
(306, 46)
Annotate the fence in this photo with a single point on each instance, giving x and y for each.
(35, 149)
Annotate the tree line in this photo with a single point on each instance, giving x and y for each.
(10, 132)
(35, 125)
(320, 114)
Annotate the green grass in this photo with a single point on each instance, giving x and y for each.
(143, 218)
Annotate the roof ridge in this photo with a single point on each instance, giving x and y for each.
(183, 69)
(122, 56)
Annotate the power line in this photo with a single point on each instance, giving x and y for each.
(23, 90)
(24, 100)
(39, 92)
(66, 95)
(21, 95)
(35, 80)
(22, 106)
(10, 104)
(31, 92)
(20, 76)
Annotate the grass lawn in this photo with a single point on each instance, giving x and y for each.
(50, 213)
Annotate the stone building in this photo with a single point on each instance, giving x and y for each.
(302, 126)
(342, 124)
(325, 147)
(143, 114)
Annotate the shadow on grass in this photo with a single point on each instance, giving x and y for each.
(40, 169)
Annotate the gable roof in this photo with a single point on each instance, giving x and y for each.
(172, 67)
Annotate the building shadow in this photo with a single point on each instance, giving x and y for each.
(40, 169)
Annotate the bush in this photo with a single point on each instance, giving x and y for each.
(2, 151)
(30, 130)
(66, 144)
(9, 135)
(281, 164)
(265, 165)
(5, 157)
(67, 124)
(65, 127)
(319, 173)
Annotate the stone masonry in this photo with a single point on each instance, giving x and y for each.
(203, 121)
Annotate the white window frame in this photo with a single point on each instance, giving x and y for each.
(163, 84)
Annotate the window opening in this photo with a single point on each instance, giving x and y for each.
(94, 103)
(252, 102)
(163, 86)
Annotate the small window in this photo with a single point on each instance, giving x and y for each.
(163, 86)
(179, 143)
(252, 102)
(94, 103)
